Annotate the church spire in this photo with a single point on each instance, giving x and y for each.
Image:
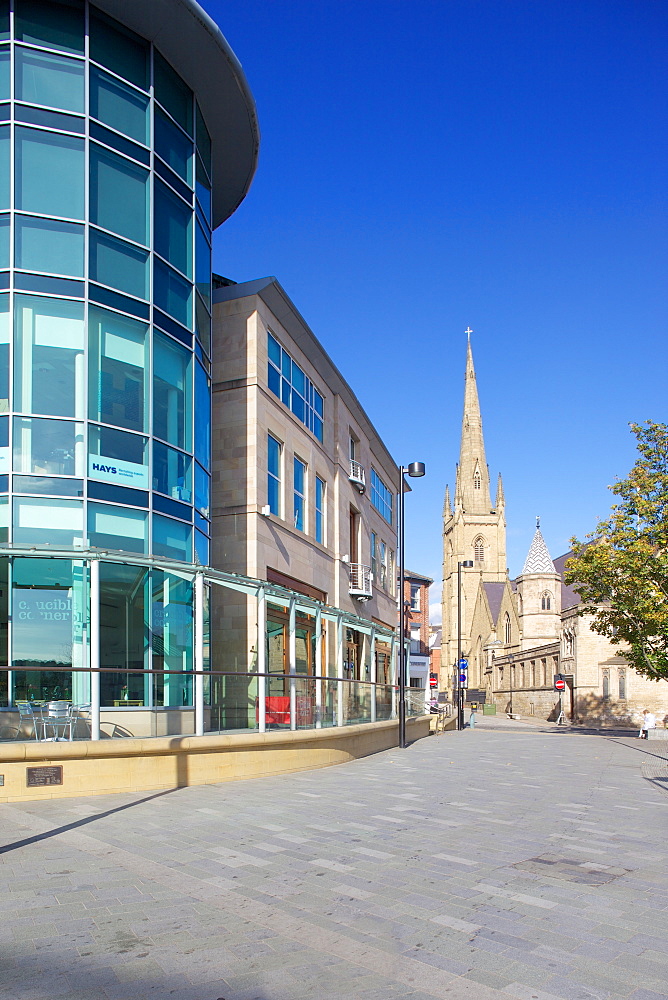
(447, 506)
(472, 472)
(500, 498)
(538, 558)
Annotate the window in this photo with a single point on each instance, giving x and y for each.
(172, 225)
(606, 685)
(416, 644)
(48, 79)
(622, 684)
(415, 596)
(117, 373)
(119, 196)
(299, 494)
(374, 557)
(118, 264)
(383, 565)
(117, 527)
(48, 447)
(117, 105)
(477, 482)
(320, 496)
(352, 448)
(48, 360)
(479, 549)
(58, 190)
(546, 601)
(391, 575)
(287, 381)
(47, 245)
(274, 475)
(172, 397)
(508, 629)
(381, 497)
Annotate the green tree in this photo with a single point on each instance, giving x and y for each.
(621, 570)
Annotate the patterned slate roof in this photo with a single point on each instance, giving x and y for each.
(538, 559)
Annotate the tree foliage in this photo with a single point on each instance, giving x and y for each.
(621, 570)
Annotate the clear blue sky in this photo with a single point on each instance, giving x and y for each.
(426, 166)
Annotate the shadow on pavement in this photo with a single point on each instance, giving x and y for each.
(80, 822)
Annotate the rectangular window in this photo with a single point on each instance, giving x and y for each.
(49, 374)
(117, 527)
(118, 195)
(52, 522)
(172, 472)
(415, 596)
(48, 79)
(172, 225)
(173, 146)
(118, 363)
(117, 105)
(48, 447)
(58, 190)
(118, 264)
(286, 379)
(320, 497)
(374, 557)
(622, 685)
(274, 475)
(172, 395)
(46, 245)
(381, 497)
(383, 565)
(299, 492)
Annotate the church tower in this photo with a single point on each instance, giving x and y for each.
(473, 530)
(538, 595)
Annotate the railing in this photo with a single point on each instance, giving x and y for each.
(360, 580)
(357, 475)
(233, 702)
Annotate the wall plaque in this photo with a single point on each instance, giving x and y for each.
(37, 777)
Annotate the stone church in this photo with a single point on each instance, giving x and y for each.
(517, 634)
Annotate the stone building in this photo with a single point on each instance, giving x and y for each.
(517, 634)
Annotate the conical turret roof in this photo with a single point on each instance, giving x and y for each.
(538, 558)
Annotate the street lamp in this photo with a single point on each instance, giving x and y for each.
(467, 564)
(415, 470)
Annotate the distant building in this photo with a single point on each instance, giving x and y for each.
(517, 634)
(416, 603)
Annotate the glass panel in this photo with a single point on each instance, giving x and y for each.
(4, 74)
(172, 237)
(117, 105)
(202, 490)
(171, 472)
(203, 324)
(119, 49)
(172, 293)
(44, 78)
(4, 532)
(118, 195)
(4, 355)
(49, 173)
(173, 146)
(48, 522)
(4, 168)
(203, 265)
(45, 486)
(203, 140)
(172, 538)
(4, 20)
(54, 25)
(48, 357)
(4, 616)
(115, 263)
(171, 392)
(117, 527)
(5, 458)
(123, 635)
(203, 417)
(203, 190)
(49, 608)
(117, 370)
(44, 245)
(48, 447)
(173, 93)
(201, 549)
(172, 639)
(117, 457)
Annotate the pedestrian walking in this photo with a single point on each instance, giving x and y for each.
(648, 722)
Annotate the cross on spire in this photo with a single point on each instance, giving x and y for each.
(468, 331)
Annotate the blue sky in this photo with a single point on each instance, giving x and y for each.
(426, 166)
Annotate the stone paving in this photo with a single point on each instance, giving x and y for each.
(495, 864)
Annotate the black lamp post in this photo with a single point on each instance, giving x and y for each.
(415, 469)
(467, 564)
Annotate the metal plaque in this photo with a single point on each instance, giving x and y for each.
(37, 777)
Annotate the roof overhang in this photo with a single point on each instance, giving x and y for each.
(194, 45)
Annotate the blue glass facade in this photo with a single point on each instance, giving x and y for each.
(106, 218)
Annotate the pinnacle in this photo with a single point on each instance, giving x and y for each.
(538, 558)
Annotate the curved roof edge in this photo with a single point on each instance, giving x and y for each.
(197, 49)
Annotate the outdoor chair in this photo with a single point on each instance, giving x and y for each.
(29, 717)
(58, 720)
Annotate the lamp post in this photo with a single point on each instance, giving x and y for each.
(466, 563)
(415, 470)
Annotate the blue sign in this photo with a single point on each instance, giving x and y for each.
(463, 664)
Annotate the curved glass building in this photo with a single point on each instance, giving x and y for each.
(122, 146)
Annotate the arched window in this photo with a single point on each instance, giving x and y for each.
(479, 549)
(606, 685)
(546, 601)
(622, 684)
(508, 629)
(477, 482)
